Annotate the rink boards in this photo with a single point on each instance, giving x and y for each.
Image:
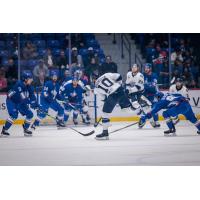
(116, 116)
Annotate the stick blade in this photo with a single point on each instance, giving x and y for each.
(88, 134)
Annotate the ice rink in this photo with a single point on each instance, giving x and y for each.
(132, 146)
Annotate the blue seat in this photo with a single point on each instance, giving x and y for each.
(53, 43)
(93, 43)
(32, 63)
(41, 52)
(88, 36)
(2, 44)
(4, 62)
(23, 63)
(40, 43)
(4, 53)
(10, 44)
(67, 52)
(56, 52)
(102, 60)
(83, 52)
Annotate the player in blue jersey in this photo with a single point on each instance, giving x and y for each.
(19, 100)
(150, 89)
(48, 99)
(71, 93)
(174, 104)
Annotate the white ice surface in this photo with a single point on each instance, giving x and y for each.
(131, 146)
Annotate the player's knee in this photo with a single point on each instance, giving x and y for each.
(67, 112)
(14, 115)
(166, 115)
(29, 115)
(85, 109)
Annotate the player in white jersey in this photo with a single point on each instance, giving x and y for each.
(109, 87)
(135, 88)
(179, 88)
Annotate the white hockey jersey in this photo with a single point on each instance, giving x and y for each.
(183, 91)
(135, 83)
(108, 83)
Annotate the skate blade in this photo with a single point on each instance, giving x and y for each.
(27, 135)
(103, 138)
(170, 135)
(4, 136)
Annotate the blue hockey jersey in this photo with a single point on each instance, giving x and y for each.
(168, 101)
(150, 84)
(73, 94)
(22, 93)
(50, 91)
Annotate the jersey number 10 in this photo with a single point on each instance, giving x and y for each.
(105, 83)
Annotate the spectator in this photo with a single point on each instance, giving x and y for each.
(3, 81)
(41, 72)
(108, 66)
(75, 58)
(49, 59)
(92, 69)
(90, 55)
(62, 63)
(188, 78)
(29, 51)
(176, 55)
(11, 73)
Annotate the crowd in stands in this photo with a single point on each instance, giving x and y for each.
(184, 60)
(41, 53)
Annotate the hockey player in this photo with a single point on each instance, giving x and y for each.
(18, 100)
(48, 99)
(135, 87)
(109, 89)
(150, 89)
(174, 104)
(71, 93)
(178, 88)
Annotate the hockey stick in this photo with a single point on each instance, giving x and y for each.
(97, 123)
(83, 134)
(124, 127)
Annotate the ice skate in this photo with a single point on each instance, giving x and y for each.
(75, 121)
(27, 133)
(141, 123)
(155, 124)
(4, 133)
(170, 132)
(103, 136)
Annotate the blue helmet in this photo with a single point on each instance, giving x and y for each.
(75, 78)
(53, 73)
(26, 75)
(159, 95)
(148, 65)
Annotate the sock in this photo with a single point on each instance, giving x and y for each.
(8, 123)
(105, 123)
(170, 123)
(197, 124)
(27, 123)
